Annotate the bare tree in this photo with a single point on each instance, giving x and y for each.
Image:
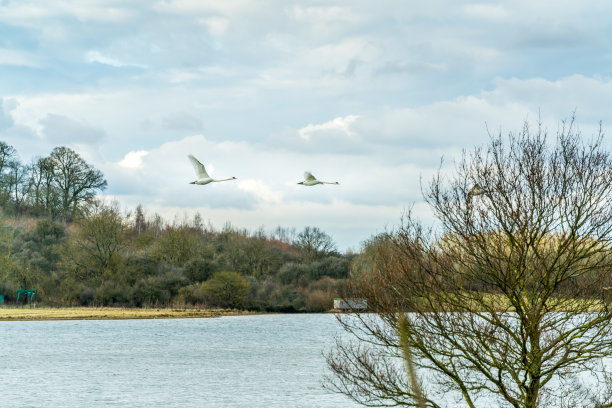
(314, 243)
(76, 180)
(140, 223)
(8, 154)
(501, 303)
(44, 196)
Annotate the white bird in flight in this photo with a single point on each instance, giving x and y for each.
(310, 180)
(476, 191)
(203, 177)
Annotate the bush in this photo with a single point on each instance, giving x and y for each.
(111, 294)
(334, 267)
(138, 266)
(289, 272)
(319, 301)
(159, 289)
(199, 269)
(86, 296)
(226, 289)
(271, 296)
(150, 291)
(326, 284)
(191, 294)
(9, 290)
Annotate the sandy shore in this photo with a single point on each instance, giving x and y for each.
(106, 313)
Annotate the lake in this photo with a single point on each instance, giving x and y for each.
(234, 361)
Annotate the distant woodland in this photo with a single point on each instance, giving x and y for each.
(58, 238)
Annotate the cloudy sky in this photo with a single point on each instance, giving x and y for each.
(368, 93)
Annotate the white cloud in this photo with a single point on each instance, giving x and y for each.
(261, 190)
(133, 160)
(96, 56)
(341, 124)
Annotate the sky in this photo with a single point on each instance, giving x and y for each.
(372, 94)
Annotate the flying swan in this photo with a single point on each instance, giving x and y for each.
(478, 191)
(203, 177)
(310, 180)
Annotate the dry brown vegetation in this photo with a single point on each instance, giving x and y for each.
(107, 313)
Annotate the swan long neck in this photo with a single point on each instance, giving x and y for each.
(226, 179)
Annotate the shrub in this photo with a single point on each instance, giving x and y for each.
(199, 269)
(86, 296)
(226, 289)
(318, 301)
(9, 290)
(159, 289)
(191, 294)
(111, 294)
(289, 272)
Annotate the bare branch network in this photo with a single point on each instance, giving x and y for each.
(506, 303)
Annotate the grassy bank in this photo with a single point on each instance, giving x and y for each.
(106, 313)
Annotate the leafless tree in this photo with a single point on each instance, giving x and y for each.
(7, 154)
(76, 180)
(502, 301)
(17, 182)
(314, 243)
(140, 223)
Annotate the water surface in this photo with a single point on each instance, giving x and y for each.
(234, 361)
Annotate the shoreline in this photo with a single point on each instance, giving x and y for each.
(110, 313)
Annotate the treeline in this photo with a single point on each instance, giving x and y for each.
(59, 186)
(57, 238)
(106, 259)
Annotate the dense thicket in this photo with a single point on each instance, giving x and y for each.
(55, 237)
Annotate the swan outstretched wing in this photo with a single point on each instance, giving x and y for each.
(199, 167)
(308, 176)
